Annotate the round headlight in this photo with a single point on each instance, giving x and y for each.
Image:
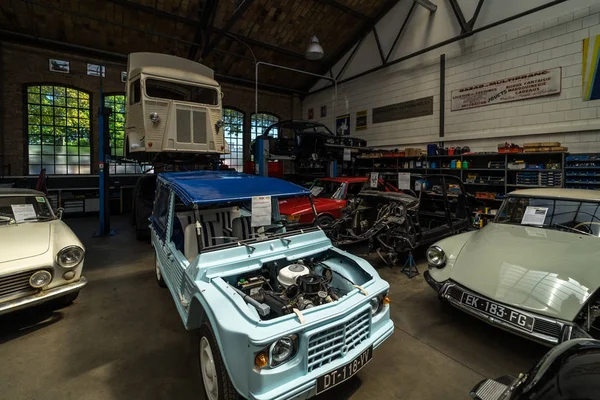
(375, 303)
(40, 279)
(70, 256)
(436, 256)
(154, 117)
(282, 350)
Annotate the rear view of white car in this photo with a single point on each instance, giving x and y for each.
(41, 259)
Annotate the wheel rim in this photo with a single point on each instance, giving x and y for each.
(158, 274)
(325, 222)
(209, 372)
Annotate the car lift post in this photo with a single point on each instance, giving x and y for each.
(261, 157)
(103, 167)
(332, 169)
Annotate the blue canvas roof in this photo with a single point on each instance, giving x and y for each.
(206, 187)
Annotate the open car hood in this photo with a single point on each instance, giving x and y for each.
(544, 271)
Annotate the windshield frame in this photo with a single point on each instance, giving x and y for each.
(595, 218)
(175, 81)
(339, 194)
(45, 218)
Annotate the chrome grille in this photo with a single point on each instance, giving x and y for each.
(454, 292)
(546, 327)
(335, 342)
(199, 127)
(18, 283)
(184, 130)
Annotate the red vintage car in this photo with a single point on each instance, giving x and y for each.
(329, 195)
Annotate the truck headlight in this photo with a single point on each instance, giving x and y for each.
(375, 305)
(283, 350)
(154, 117)
(436, 256)
(39, 279)
(69, 256)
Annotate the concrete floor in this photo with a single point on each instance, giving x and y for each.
(122, 339)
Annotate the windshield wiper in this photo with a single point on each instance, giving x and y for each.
(39, 218)
(250, 248)
(9, 218)
(573, 229)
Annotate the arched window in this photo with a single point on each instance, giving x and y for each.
(260, 122)
(234, 135)
(116, 130)
(58, 130)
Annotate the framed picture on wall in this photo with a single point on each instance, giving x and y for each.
(59, 66)
(123, 76)
(323, 111)
(96, 70)
(311, 113)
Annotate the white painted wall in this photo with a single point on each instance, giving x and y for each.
(546, 39)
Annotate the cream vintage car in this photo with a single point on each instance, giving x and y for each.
(41, 259)
(533, 271)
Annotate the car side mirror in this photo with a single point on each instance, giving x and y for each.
(60, 212)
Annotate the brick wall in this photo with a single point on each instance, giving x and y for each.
(23, 64)
(540, 44)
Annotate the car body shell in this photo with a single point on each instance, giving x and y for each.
(324, 206)
(547, 274)
(201, 294)
(30, 247)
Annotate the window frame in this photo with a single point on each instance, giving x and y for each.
(254, 136)
(225, 157)
(25, 121)
(132, 98)
(161, 230)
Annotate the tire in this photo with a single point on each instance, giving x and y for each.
(324, 221)
(215, 380)
(158, 274)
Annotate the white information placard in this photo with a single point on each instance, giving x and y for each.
(23, 211)
(347, 155)
(404, 180)
(374, 179)
(261, 211)
(534, 216)
(315, 190)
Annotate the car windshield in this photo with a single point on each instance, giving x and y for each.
(313, 128)
(327, 189)
(580, 217)
(17, 209)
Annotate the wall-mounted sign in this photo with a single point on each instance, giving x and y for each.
(60, 66)
(311, 113)
(323, 111)
(342, 125)
(590, 69)
(534, 84)
(96, 70)
(361, 120)
(406, 109)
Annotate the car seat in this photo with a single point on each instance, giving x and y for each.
(242, 228)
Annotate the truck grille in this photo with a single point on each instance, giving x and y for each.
(184, 130)
(335, 342)
(18, 283)
(199, 127)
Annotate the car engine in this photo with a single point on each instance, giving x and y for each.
(589, 317)
(385, 222)
(294, 286)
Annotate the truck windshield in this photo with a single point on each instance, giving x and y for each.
(16, 209)
(180, 91)
(579, 217)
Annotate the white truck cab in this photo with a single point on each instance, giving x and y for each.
(173, 106)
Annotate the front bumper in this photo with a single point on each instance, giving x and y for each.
(547, 331)
(42, 297)
(306, 386)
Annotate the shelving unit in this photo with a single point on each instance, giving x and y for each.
(582, 171)
(496, 171)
